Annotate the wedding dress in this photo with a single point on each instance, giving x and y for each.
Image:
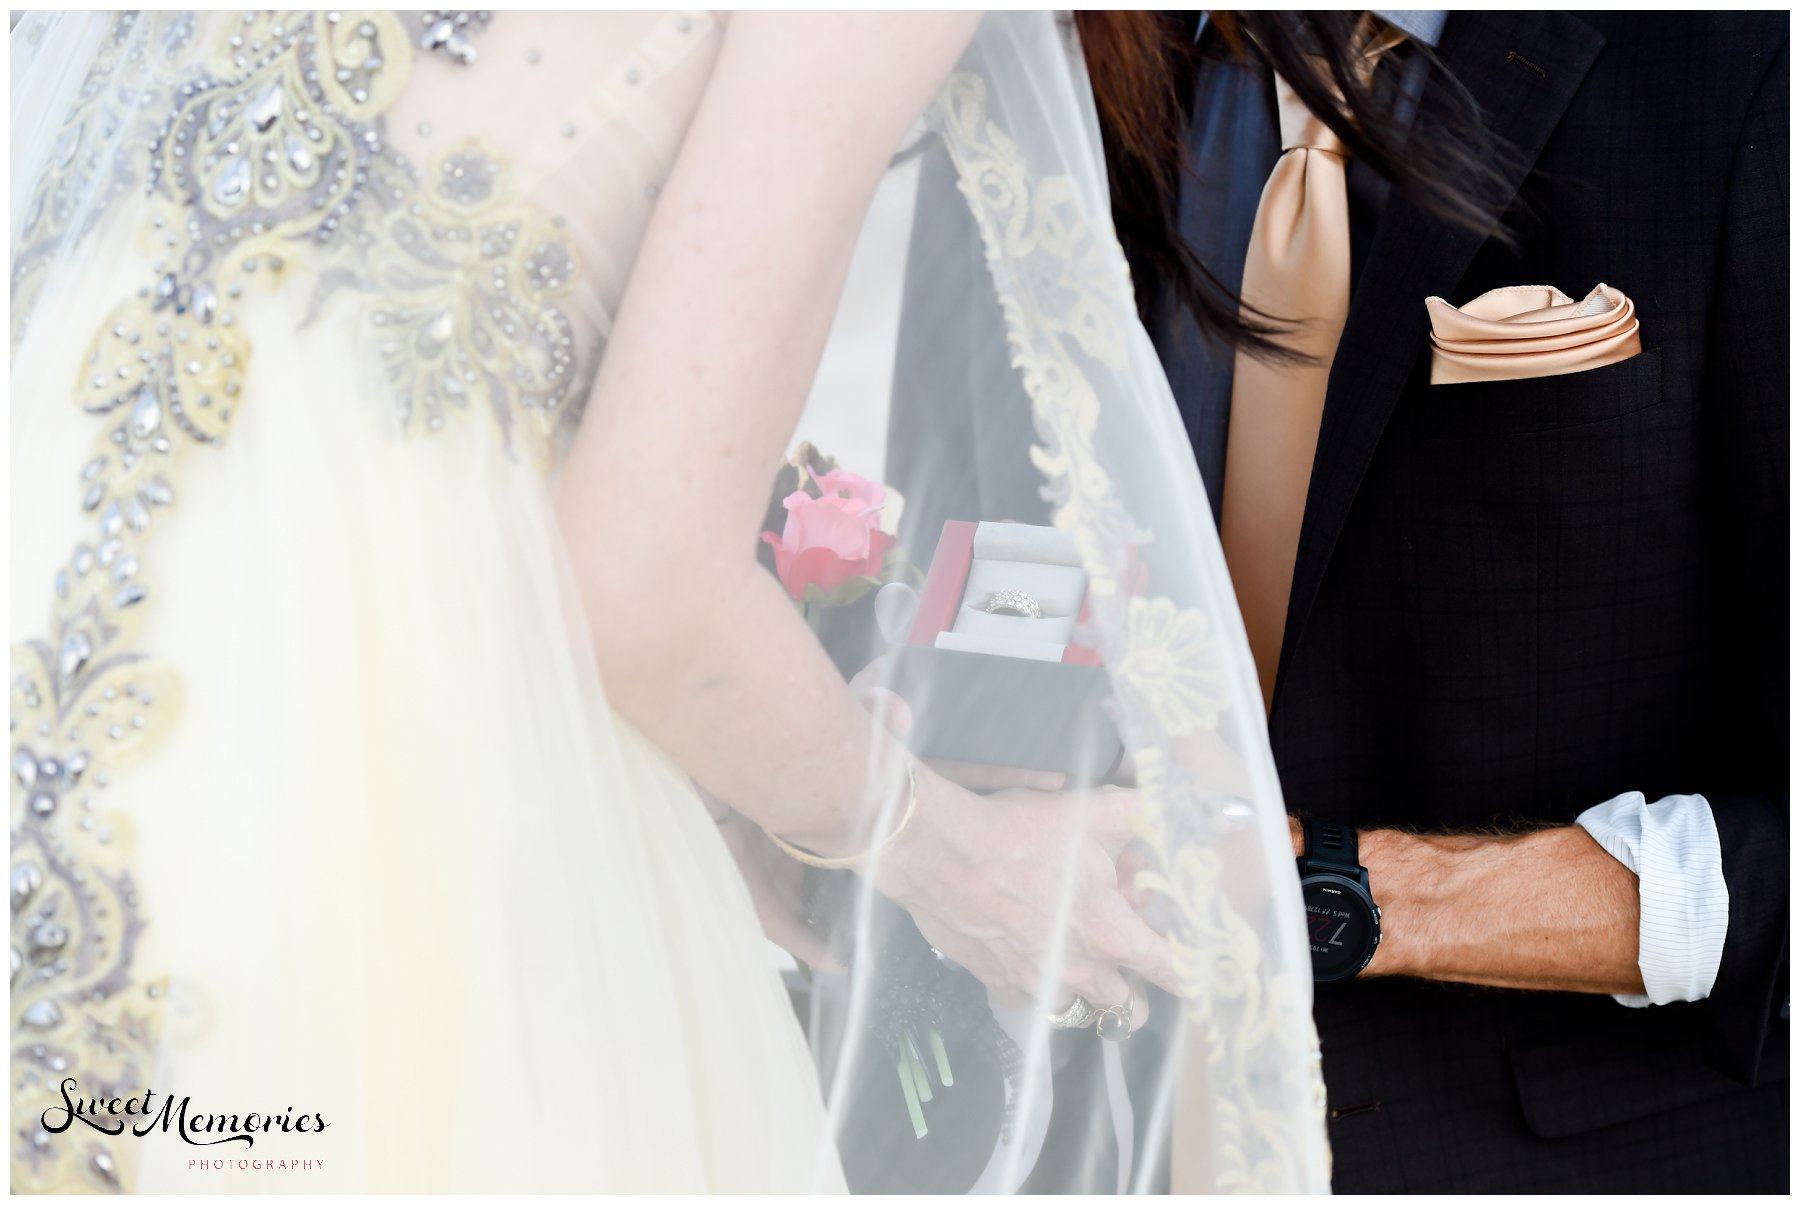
(319, 809)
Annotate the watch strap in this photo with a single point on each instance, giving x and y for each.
(1329, 843)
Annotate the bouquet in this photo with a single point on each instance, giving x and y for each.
(828, 537)
(830, 532)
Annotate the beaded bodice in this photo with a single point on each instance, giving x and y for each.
(457, 197)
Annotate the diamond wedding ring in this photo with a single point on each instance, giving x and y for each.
(1014, 602)
(1078, 1015)
(1113, 1024)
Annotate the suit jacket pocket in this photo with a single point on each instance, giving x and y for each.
(1486, 408)
(1646, 1062)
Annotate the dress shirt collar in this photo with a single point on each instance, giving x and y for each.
(1421, 24)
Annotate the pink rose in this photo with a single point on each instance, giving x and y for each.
(847, 486)
(831, 539)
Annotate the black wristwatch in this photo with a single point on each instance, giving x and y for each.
(1342, 921)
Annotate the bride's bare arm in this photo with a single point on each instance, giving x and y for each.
(722, 326)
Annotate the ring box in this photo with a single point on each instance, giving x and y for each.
(1008, 690)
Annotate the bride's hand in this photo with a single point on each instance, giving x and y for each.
(985, 877)
(995, 881)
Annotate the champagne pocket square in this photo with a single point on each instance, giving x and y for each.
(1530, 331)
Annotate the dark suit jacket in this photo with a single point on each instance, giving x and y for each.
(1516, 600)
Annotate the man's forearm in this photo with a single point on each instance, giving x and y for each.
(1547, 910)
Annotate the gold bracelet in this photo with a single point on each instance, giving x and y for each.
(811, 859)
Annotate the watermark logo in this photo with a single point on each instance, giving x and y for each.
(113, 1115)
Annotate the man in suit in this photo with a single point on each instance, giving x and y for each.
(1520, 602)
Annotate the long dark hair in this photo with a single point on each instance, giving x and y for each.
(1142, 68)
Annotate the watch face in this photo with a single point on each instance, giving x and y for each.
(1340, 927)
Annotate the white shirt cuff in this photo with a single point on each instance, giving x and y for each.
(1684, 907)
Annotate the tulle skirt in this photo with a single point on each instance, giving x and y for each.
(391, 860)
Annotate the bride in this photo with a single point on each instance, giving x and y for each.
(385, 384)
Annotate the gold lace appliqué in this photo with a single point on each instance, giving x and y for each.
(1065, 296)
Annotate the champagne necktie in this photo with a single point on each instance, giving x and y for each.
(1297, 272)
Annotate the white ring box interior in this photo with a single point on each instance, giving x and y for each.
(1041, 561)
